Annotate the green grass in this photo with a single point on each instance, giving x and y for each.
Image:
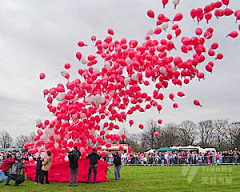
(177, 178)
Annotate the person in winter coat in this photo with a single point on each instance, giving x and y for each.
(38, 168)
(94, 157)
(118, 163)
(46, 165)
(7, 163)
(15, 173)
(73, 157)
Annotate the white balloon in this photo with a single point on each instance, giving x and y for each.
(128, 61)
(60, 97)
(83, 115)
(87, 100)
(134, 77)
(63, 73)
(126, 81)
(84, 60)
(175, 3)
(38, 121)
(74, 116)
(162, 69)
(92, 131)
(107, 65)
(165, 26)
(102, 100)
(96, 70)
(150, 32)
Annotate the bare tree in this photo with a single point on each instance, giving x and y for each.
(169, 135)
(134, 141)
(233, 136)
(21, 140)
(221, 132)
(31, 136)
(148, 139)
(5, 139)
(206, 132)
(187, 132)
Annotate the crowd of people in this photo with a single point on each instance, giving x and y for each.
(181, 158)
(12, 164)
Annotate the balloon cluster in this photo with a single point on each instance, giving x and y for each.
(89, 108)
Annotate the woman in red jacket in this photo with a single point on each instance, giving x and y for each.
(7, 163)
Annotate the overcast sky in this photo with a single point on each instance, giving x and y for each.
(41, 36)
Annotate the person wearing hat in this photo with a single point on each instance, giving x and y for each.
(94, 157)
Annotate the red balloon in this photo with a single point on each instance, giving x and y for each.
(156, 134)
(159, 121)
(171, 96)
(67, 66)
(175, 105)
(150, 14)
(197, 103)
(198, 31)
(214, 46)
(79, 56)
(228, 12)
(120, 148)
(233, 34)
(208, 68)
(178, 32)
(141, 126)
(180, 94)
(42, 76)
(164, 2)
(178, 17)
(131, 122)
(157, 31)
(225, 2)
(193, 13)
(81, 44)
(93, 38)
(219, 56)
(110, 32)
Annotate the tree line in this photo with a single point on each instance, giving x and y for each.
(6, 141)
(220, 134)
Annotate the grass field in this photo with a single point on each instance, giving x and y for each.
(178, 178)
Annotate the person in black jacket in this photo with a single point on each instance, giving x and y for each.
(118, 163)
(38, 168)
(73, 163)
(94, 157)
